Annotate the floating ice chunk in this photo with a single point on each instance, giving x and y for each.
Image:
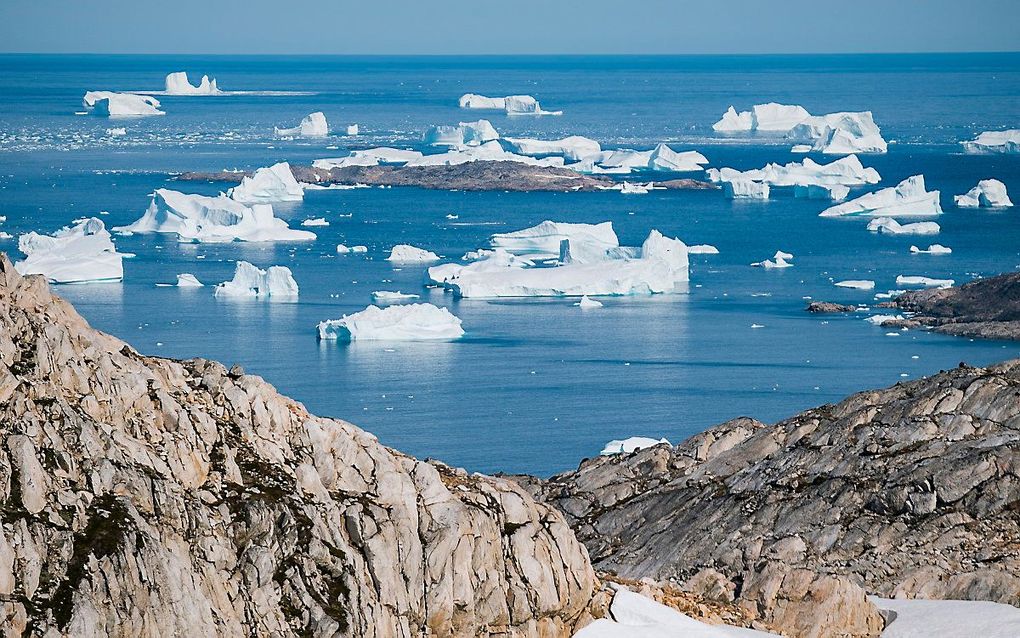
(359, 249)
(919, 618)
(702, 249)
(891, 226)
(385, 296)
(83, 253)
(487, 261)
(543, 240)
(488, 152)
(994, 142)
(857, 284)
(989, 193)
(187, 280)
(116, 132)
(112, 104)
(628, 188)
(178, 84)
(475, 101)
(733, 122)
(573, 147)
(5, 235)
(315, 221)
(630, 444)
(841, 133)
(353, 130)
(801, 148)
(341, 249)
(772, 264)
(275, 183)
(780, 254)
(745, 189)
(588, 166)
(588, 303)
(934, 249)
(249, 281)
(927, 282)
(526, 105)
(410, 254)
(312, 125)
(846, 171)
(464, 134)
(197, 218)
(660, 158)
(777, 117)
(833, 192)
(664, 158)
(408, 322)
(881, 320)
(908, 198)
(369, 157)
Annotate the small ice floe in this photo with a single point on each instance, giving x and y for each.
(5, 235)
(385, 296)
(312, 125)
(994, 142)
(628, 188)
(587, 303)
(757, 325)
(250, 281)
(702, 249)
(927, 282)
(779, 260)
(315, 221)
(353, 130)
(745, 189)
(890, 226)
(116, 132)
(858, 284)
(908, 198)
(631, 444)
(83, 253)
(989, 193)
(187, 280)
(934, 249)
(409, 322)
(268, 185)
(112, 104)
(881, 320)
(510, 104)
(405, 253)
(452, 216)
(889, 295)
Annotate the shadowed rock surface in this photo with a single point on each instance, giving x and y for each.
(984, 308)
(144, 496)
(909, 491)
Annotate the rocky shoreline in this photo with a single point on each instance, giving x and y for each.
(984, 309)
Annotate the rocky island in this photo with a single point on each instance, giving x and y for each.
(983, 308)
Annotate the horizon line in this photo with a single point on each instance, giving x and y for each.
(518, 55)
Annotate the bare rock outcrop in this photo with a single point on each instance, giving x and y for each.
(983, 308)
(142, 496)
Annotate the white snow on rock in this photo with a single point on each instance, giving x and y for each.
(890, 226)
(745, 189)
(832, 193)
(846, 171)
(198, 218)
(857, 284)
(250, 281)
(268, 185)
(630, 444)
(934, 249)
(994, 142)
(464, 134)
(574, 147)
(177, 84)
(112, 104)
(543, 240)
(187, 280)
(907, 199)
(927, 282)
(407, 322)
(702, 249)
(369, 157)
(917, 618)
(587, 303)
(386, 296)
(315, 221)
(989, 193)
(405, 253)
(511, 104)
(833, 133)
(312, 125)
(83, 253)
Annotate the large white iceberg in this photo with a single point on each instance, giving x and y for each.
(187, 280)
(464, 134)
(488, 261)
(112, 104)
(829, 192)
(275, 183)
(846, 171)
(543, 240)
(989, 193)
(745, 189)
(625, 160)
(198, 218)
(630, 444)
(511, 104)
(411, 254)
(369, 157)
(82, 253)
(733, 122)
(407, 322)
(892, 227)
(834, 133)
(994, 142)
(312, 125)
(574, 147)
(250, 281)
(475, 101)
(908, 198)
(177, 84)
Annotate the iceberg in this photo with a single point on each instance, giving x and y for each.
(408, 322)
(511, 104)
(83, 253)
(491, 261)
(410, 254)
(178, 84)
(353, 130)
(630, 444)
(881, 320)
(832, 193)
(846, 171)
(625, 160)
(250, 281)
(777, 117)
(343, 250)
(702, 249)
(994, 142)
(574, 147)
(927, 282)
(733, 122)
(543, 240)
(312, 125)
(385, 296)
(315, 221)
(857, 284)
(934, 249)
(907, 199)
(745, 189)
(779, 260)
(892, 227)
(187, 280)
(464, 134)
(588, 303)
(833, 133)
(268, 185)
(198, 218)
(112, 104)
(490, 151)
(989, 193)
(475, 101)
(369, 157)
(628, 188)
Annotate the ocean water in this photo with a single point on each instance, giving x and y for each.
(535, 385)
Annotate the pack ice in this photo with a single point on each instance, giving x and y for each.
(83, 253)
(312, 125)
(908, 198)
(407, 322)
(989, 193)
(271, 184)
(112, 104)
(251, 281)
(177, 84)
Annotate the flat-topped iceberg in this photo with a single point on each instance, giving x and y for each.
(511, 104)
(574, 147)
(908, 198)
(543, 241)
(198, 218)
(464, 134)
(475, 101)
(994, 142)
(927, 282)
(702, 249)
(83, 253)
(846, 171)
(745, 189)
(177, 84)
(630, 444)
(762, 117)
(890, 226)
(405, 253)
(856, 284)
(626, 160)
(989, 193)
(490, 261)
(311, 125)
(386, 296)
(268, 185)
(187, 280)
(250, 281)
(369, 157)
(406, 322)
(934, 249)
(833, 133)
(112, 104)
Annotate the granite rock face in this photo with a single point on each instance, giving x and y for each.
(909, 491)
(150, 497)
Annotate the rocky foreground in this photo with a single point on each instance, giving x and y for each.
(910, 491)
(984, 308)
(471, 176)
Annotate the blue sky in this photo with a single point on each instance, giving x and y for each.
(508, 27)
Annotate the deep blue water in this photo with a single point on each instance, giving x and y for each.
(536, 385)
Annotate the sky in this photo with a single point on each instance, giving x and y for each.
(507, 27)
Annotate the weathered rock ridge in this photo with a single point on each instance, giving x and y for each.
(150, 497)
(984, 308)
